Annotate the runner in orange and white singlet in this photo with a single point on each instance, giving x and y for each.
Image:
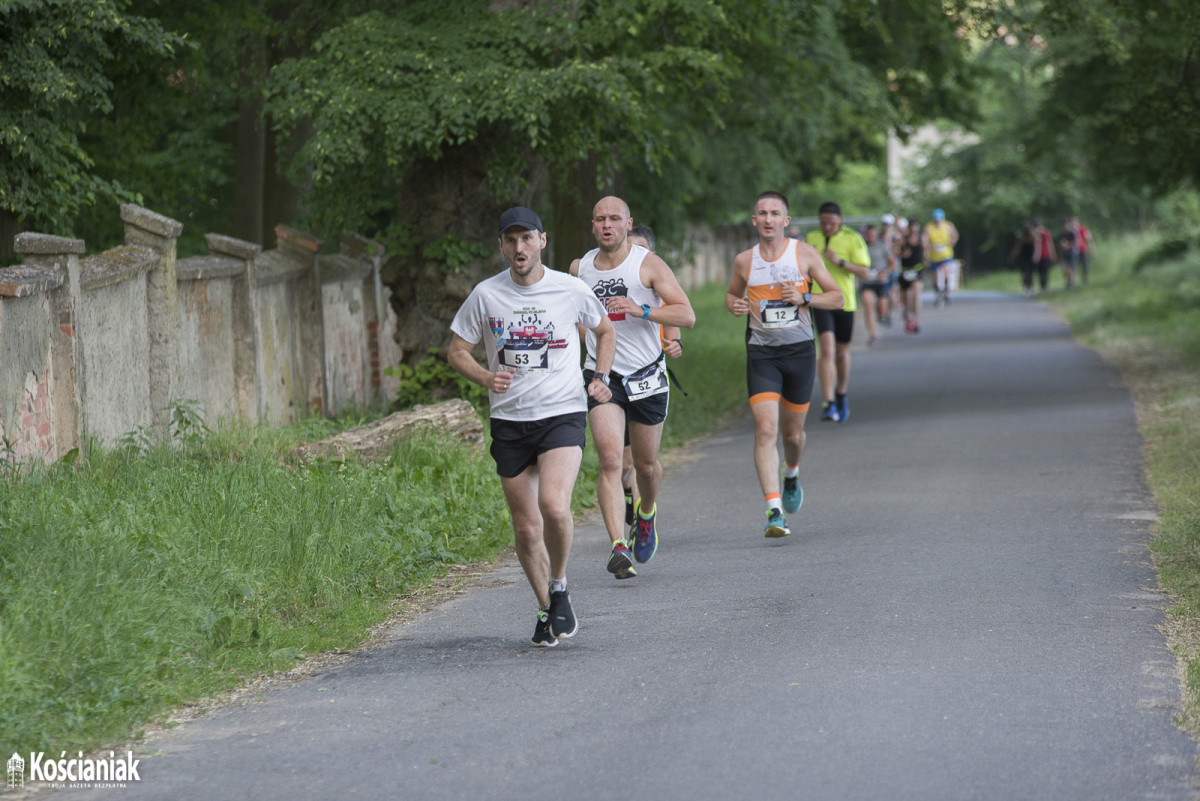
(771, 288)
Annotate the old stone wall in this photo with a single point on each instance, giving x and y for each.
(107, 345)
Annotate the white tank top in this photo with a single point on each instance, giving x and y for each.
(637, 339)
(773, 322)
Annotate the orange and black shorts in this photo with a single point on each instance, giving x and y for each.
(783, 373)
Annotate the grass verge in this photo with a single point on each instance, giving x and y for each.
(1145, 320)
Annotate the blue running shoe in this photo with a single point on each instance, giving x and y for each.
(829, 412)
(793, 495)
(776, 525)
(843, 410)
(645, 542)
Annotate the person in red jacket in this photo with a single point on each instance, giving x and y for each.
(1043, 253)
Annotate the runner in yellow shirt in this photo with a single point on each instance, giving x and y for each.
(846, 257)
(939, 239)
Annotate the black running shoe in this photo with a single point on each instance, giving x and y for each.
(542, 638)
(562, 619)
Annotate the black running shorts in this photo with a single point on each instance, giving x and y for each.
(648, 411)
(784, 373)
(517, 445)
(839, 321)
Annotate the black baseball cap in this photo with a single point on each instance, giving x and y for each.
(520, 216)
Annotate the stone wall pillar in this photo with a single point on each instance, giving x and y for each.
(375, 311)
(305, 249)
(245, 347)
(146, 228)
(57, 258)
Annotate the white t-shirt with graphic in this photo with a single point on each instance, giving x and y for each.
(531, 330)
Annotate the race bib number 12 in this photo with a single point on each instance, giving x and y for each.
(778, 314)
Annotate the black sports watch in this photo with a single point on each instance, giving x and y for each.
(807, 298)
(604, 379)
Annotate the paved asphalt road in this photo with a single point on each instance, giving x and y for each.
(964, 611)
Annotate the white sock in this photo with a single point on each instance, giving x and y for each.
(558, 585)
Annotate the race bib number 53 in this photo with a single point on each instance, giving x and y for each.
(524, 356)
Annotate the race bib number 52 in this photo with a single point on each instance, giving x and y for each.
(650, 380)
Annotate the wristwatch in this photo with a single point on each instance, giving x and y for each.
(604, 379)
(645, 311)
(807, 298)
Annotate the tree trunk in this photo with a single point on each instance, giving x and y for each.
(10, 226)
(281, 197)
(373, 441)
(251, 142)
(574, 193)
(452, 196)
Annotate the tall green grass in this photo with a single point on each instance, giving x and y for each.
(712, 369)
(142, 580)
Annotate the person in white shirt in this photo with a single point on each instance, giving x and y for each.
(641, 293)
(526, 318)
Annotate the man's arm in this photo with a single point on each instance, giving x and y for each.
(735, 296)
(460, 358)
(830, 296)
(675, 310)
(854, 262)
(672, 345)
(606, 346)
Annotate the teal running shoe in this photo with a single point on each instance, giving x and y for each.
(793, 495)
(776, 525)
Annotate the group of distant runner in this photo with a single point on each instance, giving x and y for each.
(618, 312)
(1036, 251)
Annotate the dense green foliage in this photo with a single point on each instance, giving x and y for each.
(686, 108)
(1127, 88)
(655, 96)
(56, 68)
(1086, 109)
